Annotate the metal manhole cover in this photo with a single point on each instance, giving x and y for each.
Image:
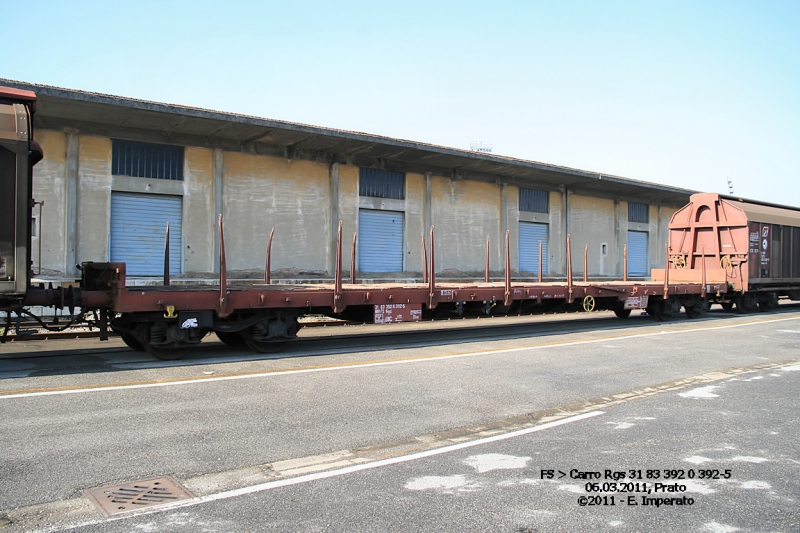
(125, 497)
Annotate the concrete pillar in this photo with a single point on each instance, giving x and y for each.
(334, 228)
(219, 163)
(660, 244)
(565, 224)
(428, 206)
(71, 222)
(617, 242)
(504, 216)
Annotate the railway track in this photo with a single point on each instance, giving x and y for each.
(60, 357)
(76, 333)
(38, 334)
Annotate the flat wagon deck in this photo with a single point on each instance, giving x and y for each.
(167, 319)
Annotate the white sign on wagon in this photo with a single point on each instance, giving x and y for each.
(388, 313)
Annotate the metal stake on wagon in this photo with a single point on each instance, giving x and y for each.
(586, 263)
(666, 271)
(624, 262)
(569, 270)
(353, 259)
(268, 266)
(486, 270)
(337, 280)
(424, 261)
(507, 298)
(540, 262)
(223, 273)
(166, 258)
(432, 277)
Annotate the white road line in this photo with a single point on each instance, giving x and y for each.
(351, 469)
(267, 374)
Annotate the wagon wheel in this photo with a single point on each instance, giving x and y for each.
(132, 342)
(128, 338)
(264, 347)
(745, 303)
(654, 310)
(231, 338)
(679, 262)
(692, 311)
(622, 313)
(163, 352)
(588, 304)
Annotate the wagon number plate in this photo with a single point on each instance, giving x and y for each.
(387, 313)
(636, 302)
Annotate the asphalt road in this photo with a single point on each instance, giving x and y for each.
(358, 441)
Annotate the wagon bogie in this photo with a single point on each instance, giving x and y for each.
(746, 303)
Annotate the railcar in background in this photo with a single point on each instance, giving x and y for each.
(753, 247)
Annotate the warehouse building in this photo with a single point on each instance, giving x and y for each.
(116, 170)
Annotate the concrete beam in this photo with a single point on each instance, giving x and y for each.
(219, 165)
(71, 230)
(334, 226)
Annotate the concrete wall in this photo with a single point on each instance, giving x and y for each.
(50, 186)
(592, 222)
(512, 218)
(464, 214)
(94, 198)
(558, 235)
(348, 214)
(199, 221)
(260, 193)
(416, 207)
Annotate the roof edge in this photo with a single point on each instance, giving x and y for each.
(197, 112)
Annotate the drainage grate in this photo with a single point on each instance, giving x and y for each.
(116, 499)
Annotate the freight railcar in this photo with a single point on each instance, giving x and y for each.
(18, 154)
(713, 256)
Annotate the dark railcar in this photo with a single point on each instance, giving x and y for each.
(18, 154)
(753, 246)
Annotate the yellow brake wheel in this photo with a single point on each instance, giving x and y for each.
(679, 261)
(588, 304)
(726, 264)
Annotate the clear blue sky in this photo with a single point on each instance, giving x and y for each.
(680, 93)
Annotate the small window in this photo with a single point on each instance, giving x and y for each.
(145, 160)
(534, 200)
(381, 184)
(638, 212)
(604, 249)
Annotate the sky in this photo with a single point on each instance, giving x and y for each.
(688, 94)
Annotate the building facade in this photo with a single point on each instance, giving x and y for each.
(117, 170)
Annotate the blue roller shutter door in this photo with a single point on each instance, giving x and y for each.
(530, 233)
(637, 253)
(138, 225)
(380, 241)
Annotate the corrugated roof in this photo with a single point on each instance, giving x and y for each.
(767, 213)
